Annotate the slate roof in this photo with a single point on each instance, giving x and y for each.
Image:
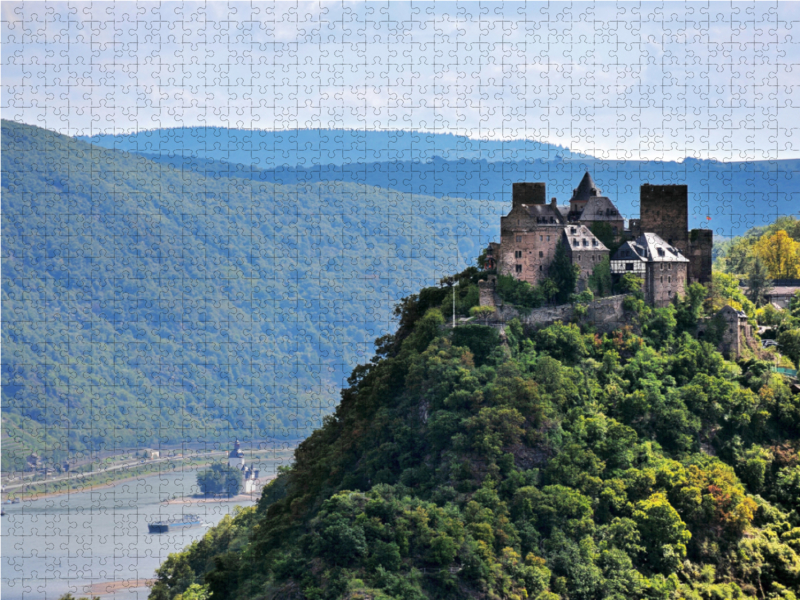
(585, 238)
(649, 247)
(545, 211)
(586, 189)
(600, 208)
(782, 291)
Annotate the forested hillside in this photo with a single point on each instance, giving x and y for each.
(544, 464)
(144, 304)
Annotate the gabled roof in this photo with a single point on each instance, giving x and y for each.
(649, 247)
(600, 208)
(585, 238)
(586, 189)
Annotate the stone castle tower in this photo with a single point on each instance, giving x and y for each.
(664, 210)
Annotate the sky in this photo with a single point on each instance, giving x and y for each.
(638, 81)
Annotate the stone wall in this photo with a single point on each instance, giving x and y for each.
(533, 250)
(486, 293)
(663, 281)
(605, 313)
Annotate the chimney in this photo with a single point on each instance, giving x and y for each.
(528, 193)
(553, 202)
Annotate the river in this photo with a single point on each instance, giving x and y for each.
(66, 543)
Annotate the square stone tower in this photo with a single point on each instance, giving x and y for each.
(664, 210)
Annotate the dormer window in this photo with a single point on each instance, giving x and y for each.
(573, 230)
(594, 242)
(661, 252)
(576, 243)
(585, 242)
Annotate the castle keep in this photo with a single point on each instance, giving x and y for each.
(657, 247)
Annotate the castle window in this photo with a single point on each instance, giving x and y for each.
(519, 268)
(585, 242)
(541, 238)
(548, 238)
(576, 243)
(541, 268)
(662, 280)
(541, 254)
(594, 242)
(661, 252)
(518, 254)
(669, 266)
(519, 238)
(573, 231)
(669, 279)
(629, 266)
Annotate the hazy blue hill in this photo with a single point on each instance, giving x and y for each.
(736, 195)
(143, 304)
(310, 147)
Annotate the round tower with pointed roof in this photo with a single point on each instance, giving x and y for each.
(236, 456)
(586, 190)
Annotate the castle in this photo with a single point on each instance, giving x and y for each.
(658, 246)
(250, 475)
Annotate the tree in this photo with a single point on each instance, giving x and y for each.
(781, 255)
(603, 231)
(631, 284)
(220, 479)
(789, 345)
(482, 312)
(690, 307)
(563, 273)
(663, 532)
(794, 305)
(600, 279)
(758, 281)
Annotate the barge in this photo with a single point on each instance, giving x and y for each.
(178, 522)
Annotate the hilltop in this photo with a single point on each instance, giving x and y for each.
(522, 463)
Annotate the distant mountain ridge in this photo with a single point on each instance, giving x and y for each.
(309, 147)
(728, 197)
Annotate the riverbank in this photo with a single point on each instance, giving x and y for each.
(108, 588)
(260, 483)
(38, 490)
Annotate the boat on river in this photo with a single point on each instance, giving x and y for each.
(179, 522)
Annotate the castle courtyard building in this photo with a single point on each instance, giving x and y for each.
(662, 267)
